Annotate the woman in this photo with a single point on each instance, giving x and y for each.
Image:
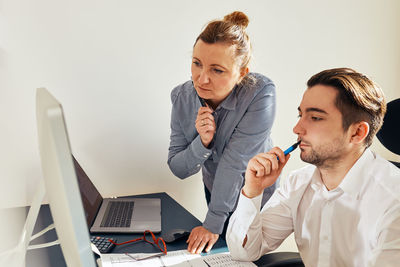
(220, 119)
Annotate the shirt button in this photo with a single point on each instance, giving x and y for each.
(208, 153)
(205, 156)
(198, 165)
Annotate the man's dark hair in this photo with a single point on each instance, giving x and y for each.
(358, 99)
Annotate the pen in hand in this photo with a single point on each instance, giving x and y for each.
(202, 101)
(291, 148)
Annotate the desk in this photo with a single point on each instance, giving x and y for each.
(173, 216)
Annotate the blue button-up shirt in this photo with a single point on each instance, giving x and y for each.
(244, 120)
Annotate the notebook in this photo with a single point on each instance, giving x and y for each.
(117, 215)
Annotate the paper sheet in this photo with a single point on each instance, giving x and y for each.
(225, 260)
(179, 258)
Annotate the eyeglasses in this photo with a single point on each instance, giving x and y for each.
(159, 242)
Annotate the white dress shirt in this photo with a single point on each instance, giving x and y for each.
(356, 224)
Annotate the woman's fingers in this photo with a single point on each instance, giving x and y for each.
(203, 110)
(205, 113)
(203, 122)
(199, 238)
(211, 243)
(205, 125)
(196, 244)
(201, 246)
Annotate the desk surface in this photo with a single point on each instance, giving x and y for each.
(173, 215)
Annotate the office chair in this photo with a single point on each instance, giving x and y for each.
(280, 259)
(389, 134)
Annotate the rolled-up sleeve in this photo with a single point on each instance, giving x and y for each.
(265, 230)
(248, 139)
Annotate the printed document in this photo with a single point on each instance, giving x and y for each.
(179, 258)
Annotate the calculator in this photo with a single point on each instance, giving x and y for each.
(102, 243)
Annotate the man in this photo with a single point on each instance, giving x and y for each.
(344, 207)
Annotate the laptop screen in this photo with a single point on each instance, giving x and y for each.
(91, 198)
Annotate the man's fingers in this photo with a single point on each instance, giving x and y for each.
(287, 157)
(268, 163)
(257, 167)
(264, 163)
(272, 162)
(279, 153)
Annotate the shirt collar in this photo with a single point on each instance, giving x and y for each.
(357, 177)
(316, 181)
(230, 101)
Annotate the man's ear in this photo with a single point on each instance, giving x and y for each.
(359, 132)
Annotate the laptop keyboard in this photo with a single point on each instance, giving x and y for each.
(118, 214)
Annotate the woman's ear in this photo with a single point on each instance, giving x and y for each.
(243, 72)
(360, 131)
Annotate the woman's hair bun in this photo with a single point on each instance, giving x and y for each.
(237, 18)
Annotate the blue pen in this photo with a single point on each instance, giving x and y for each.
(290, 149)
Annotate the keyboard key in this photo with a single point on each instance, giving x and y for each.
(118, 214)
(102, 243)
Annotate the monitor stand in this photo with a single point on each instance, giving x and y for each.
(16, 256)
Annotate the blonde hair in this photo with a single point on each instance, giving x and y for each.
(230, 30)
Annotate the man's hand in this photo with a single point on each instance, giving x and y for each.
(263, 170)
(199, 238)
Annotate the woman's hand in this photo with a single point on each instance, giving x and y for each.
(263, 170)
(205, 125)
(199, 238)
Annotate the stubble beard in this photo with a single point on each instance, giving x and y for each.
(325, 155)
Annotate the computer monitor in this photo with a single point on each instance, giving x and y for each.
(61, 182)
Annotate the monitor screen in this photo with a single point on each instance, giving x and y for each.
(61, 182)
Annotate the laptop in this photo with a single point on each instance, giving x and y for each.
(117, 215)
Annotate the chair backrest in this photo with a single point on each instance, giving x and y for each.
(280, 259)
(389, 134)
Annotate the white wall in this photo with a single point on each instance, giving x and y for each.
(113, 64)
